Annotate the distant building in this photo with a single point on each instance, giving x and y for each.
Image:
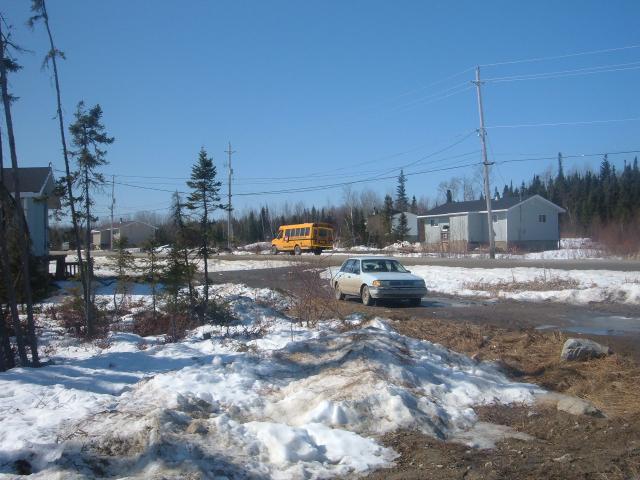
(37, 186)
(135, 232)
(529, 223)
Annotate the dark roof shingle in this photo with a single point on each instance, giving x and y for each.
(32, 179)
(475, 206)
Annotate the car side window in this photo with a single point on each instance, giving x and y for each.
(355, 267)
(346, 266)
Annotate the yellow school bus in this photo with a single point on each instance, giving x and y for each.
(303, 237)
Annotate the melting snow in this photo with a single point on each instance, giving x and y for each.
(291, 403)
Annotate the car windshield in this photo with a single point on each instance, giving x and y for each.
(380, 265)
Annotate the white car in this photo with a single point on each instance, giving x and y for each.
(372, 278)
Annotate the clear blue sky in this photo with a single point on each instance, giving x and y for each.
(306, 87)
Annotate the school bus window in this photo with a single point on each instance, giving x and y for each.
(279, 234)
(306, 231)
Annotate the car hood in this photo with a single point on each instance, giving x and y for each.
(391, 276)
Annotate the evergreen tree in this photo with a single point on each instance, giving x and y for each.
(180, 245)
(205, 200)
(151, 271)
(402, 200)
(89, 138)
(401, 230)
(387, 215)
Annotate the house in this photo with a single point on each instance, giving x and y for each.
(529, 223)
(412, 225)
(37, 186)
(135, 232)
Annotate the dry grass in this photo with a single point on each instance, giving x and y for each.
(611, 383)
(542, 283)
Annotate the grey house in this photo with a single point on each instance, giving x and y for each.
(135, 232)
(529, 223)
(37, 187)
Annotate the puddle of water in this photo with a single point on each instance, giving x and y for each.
(441, 302)
(613, 325)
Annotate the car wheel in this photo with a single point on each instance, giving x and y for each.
(415, 302)
(365, 295)
(297, 250)
(337, 292)
(274, 250)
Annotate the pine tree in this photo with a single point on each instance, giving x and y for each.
(387, 215)
(89, 138)
(151, 271)
(181, 246)
(401, 230)
(204, 199)
(402, 200)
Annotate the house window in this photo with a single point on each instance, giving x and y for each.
(495, 217)
(542, 218)
(432, 222)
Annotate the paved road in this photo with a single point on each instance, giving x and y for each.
(584, 264)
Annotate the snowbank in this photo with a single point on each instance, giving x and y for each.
(592, 285)
(290, 403)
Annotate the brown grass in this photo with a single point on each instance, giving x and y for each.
(538, 284)
(611, 383)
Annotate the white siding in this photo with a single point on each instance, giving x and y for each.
(477, 227)
(458, 228)
(499, 226)
(525, 224)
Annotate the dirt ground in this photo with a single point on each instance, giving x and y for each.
(562, 446)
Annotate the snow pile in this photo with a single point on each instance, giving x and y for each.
(261, 248)
(216, 265)
(592, 285)
(288, 402)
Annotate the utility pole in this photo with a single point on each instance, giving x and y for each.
(229, 172)
(113, 202)
(485, 162)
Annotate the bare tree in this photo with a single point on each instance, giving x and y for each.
(8, 64)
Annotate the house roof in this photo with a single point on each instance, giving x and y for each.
(504, 203)
(123, 224)
(31, 179)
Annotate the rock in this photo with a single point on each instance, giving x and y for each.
(197, 426)
(583, 349)
(578, 406)
(563, 459)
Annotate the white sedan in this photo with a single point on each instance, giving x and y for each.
(372, 278)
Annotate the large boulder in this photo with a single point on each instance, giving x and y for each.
(583, 349)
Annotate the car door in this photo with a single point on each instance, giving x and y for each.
(343, 276)
(352, 279)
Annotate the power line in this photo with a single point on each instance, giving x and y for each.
(559, 124)
(580, 155)
(557, 57)
(567, 73)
